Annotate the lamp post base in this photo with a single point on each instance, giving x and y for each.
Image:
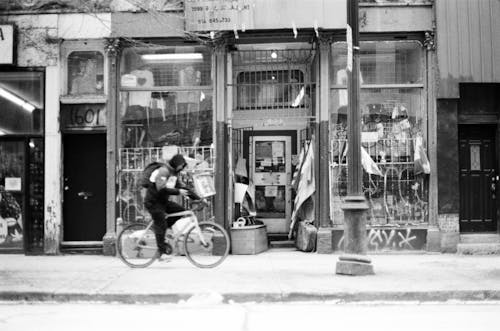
(354, 262)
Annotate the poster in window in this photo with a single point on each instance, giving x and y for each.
(13, 183)
(277, 148)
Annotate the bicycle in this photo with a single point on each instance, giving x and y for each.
(205, 244)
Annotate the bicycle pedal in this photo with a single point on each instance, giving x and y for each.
(168, 249)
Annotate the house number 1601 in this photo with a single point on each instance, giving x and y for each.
(84, 117)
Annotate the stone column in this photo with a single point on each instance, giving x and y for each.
(433, 233)
(221, 131)
(324, 242)
(113, 50)
(53, 163)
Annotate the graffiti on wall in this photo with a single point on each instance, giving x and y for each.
(389, 239)
(397, 197)
(52, 228)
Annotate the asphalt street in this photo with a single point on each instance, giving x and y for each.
(201, 314)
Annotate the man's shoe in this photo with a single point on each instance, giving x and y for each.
(165, 258)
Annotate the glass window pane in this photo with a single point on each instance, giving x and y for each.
(392, 121)
(269, 89)
(270, 156)
(475, 157)
(12, 210)
(270, 200)
(21, 103)
(381, 62)
(181, 118)
(166, 66)
(85, 73)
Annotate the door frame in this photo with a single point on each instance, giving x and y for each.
(82, 132)
(468, 120)
(278, 221)
(293, 134)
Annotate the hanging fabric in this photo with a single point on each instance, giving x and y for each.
(368, 164)
(306, 187)
(296, 174)
(241, 167)
(421, 162)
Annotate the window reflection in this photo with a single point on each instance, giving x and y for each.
(85, 73)
(393, 125)
(21, 103)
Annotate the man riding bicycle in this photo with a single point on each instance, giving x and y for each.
(164, 182)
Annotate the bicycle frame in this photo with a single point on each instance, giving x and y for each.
(192, 223)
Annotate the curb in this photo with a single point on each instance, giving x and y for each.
(339, 297)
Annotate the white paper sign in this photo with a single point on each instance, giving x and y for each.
(6, 44)
(277, 148)
(13, 183)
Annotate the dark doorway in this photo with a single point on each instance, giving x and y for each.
(478, 178)
(84, 207)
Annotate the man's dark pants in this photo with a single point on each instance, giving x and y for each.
(161, 224)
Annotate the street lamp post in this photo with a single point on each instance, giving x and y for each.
(354, 260)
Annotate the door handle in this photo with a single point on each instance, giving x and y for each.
(85, 195)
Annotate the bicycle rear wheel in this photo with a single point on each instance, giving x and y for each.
(136, 245)
(216, 249)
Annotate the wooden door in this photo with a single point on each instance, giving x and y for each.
(478, 178)
(84, 207)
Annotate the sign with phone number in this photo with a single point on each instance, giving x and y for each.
(214, 15)
(83, 116)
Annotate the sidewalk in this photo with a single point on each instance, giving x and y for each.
(275, 275)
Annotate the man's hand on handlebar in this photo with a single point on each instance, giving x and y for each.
(189, 193)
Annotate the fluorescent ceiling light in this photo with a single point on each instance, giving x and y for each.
(2, 133)
(17, 100)
(172, 57)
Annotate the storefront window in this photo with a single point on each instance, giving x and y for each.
(12, 167)
(166, 97)
(393, 115)
(85, 73)
(166, 107)
(21, 103)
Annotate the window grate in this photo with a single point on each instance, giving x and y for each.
(274, 80)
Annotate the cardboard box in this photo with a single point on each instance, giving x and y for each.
(250, 239)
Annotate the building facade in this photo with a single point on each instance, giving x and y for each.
(468, 106)
(254, 93)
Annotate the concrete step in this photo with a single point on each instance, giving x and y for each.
(479, 238)
(478, 248)
(282, 244)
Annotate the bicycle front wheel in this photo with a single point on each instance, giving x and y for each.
(136, 245)
(215, 249)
